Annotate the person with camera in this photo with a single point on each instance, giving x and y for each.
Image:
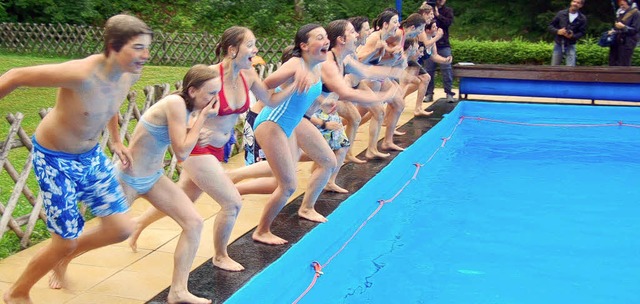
(444, 18)
(626, 29)
(568, 26)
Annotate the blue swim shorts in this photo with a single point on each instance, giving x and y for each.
(66, 179)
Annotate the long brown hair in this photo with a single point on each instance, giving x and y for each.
(195, 77)
(232, 36)
(335, 29)
(302, 36)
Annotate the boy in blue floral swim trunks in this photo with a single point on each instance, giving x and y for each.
(69, 164)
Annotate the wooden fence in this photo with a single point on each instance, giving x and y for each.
(17, 139)
(178, 49)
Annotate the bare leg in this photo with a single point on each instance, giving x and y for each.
(57, 255)
(143, 221)
(263, 185)
(207, 173)
(331, 184)
(352, 117)
(46, 259)
(422, 91)
(377, 115)
(171, 200)
(152, 214)
(279, 151)
(395, 110)
(255, 170)
(310, 140)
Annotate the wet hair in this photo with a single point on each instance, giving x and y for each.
(195, 77)
(425, 8)
(232, 36)
(119, 29)
(384, 17)
(358, 21)
(302, 36)
(335, 29)
(414, 19)
(287, 53)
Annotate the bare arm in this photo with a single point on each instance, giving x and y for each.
(286, 71)
(435, 57)
(362, 70)
(262, 92)
(63, 75)
(372, 48)
(332, 79)
(429, 41)
(183, 139)
(118, 147)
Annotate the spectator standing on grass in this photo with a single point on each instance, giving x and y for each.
(568, 26)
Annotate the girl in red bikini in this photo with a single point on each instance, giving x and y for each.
(202, 171)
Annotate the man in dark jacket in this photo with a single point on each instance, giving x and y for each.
(627, 30)
(568, 26)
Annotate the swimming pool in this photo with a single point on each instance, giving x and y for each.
(512, 203)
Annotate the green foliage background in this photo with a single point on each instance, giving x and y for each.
(479, 19)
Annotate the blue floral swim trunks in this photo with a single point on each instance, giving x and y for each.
(66, 179)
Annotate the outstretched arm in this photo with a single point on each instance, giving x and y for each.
(333, 80)
(63, 75)
(262, 92)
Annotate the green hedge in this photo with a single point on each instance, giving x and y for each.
(519, 51)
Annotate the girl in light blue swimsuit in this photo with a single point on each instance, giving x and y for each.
(280, 130)
(164, 124)
(289, 113)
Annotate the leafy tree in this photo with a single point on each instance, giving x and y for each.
(480, 19)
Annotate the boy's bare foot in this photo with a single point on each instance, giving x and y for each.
(422, 113)
(353, 159)
(375, 155)
(335, 188)
(312, 215)
(57, 279)
(226, 263)
(15, 299)
(390, 146)
(185, 297)
(268, 238)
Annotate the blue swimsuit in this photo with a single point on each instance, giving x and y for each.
(289, 113)
(67, 178)
(144, 183)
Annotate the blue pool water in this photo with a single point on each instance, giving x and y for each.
(534, 204)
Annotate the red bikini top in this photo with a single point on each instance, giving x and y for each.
(225, 109)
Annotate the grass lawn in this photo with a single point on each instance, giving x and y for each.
(29, 101)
